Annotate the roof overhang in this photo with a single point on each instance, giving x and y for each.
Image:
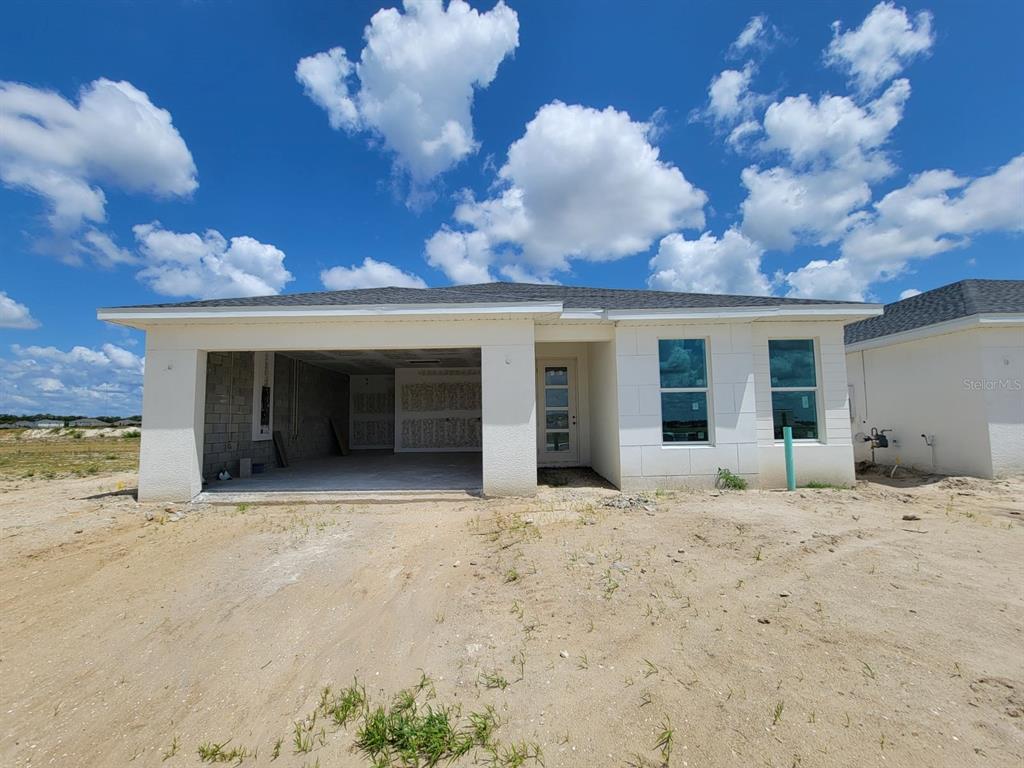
(985, 320)
(845, 312)
(143, 317)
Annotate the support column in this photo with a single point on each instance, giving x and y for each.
(509, 412)
(173, 412)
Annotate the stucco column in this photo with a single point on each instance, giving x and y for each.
(509, 412)
(173, 411)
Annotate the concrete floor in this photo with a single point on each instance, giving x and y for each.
(367, 472)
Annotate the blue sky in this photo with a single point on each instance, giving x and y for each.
(165, 151)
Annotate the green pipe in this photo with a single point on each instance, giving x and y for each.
(787, 437)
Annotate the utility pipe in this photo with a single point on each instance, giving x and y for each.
(787, 437)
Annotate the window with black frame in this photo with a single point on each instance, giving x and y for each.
(794, 383)
(684, 391)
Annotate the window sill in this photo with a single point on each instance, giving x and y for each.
(688, 445)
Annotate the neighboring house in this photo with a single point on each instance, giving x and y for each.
(650, 389)
(127, 423)
(25, 424)
(48, 424)
(944, 371)
(87, 423)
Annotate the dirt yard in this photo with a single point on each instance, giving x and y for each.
(819, 628)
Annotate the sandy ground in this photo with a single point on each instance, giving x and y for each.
(817, 628)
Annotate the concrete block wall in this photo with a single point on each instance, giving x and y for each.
(305, 398)
(228, 424)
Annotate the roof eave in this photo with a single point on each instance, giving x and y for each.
(845, 312)
(980, 320)
(142, 317)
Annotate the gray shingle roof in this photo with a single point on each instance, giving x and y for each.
(962, 299)
(572, 297)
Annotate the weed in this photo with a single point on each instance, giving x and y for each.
(757, 555)
(520, 661)
(868, 671)
(483, 724)
(582, 662)
(302, 738)
(665, 739)
(493, 680)
(730, 481)
(610, 584)
(511, 575)
(650, 668)
(514, 755)
(645, 700)
(344, 707)
(171, 750)
(276, 751)
(819, 485)
(777, 712)
(211, 752)
(242, 507)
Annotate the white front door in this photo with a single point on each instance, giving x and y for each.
(556, 406)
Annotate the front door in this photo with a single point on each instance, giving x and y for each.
(556, 406)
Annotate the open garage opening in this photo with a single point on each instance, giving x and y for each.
(341, 422)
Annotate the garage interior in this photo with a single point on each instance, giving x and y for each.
(343, 421)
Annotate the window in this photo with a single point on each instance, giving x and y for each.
(684, 391)
(262, 395)
(794, 387)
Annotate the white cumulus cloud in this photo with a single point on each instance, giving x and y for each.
(730, 99)
(370, 274)
(835, 129)
(414, 82)
(581, 183)
(96, 381)
(881, 47)
(935, 212)
(783, 206)
(730, 265)
(14, 314)
(208, 266)
(909, 293)
(67, 153)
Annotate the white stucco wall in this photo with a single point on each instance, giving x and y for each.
(509, 411)
(603, 413)
(950, 386)
(1002, 367)
(173, 414)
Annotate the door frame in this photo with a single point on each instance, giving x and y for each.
(576, 426)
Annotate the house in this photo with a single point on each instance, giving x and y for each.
(127, 423)
(49, 424)
(942, 373)
(87, 423)
(476, 386)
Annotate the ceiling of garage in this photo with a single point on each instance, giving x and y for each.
(385, 361)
